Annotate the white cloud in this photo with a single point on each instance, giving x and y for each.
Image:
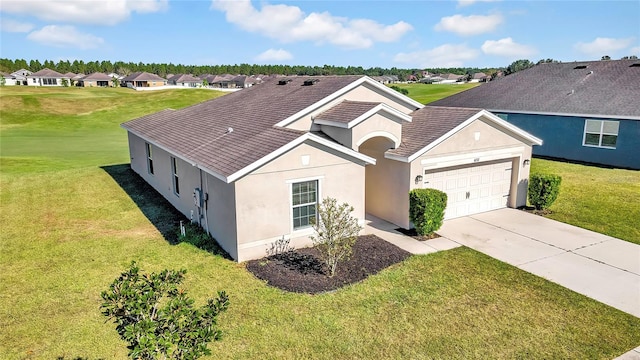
(447, 55)
(463, 3)
(101, 12)
(290, 24)
(9, 25)
(602, 46)
(65, 36)
(274, 55)
(469, 25)
(635, 51)
(508, 48)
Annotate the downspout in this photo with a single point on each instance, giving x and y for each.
(205, 201)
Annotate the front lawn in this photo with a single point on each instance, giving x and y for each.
(426, 93)
(70, 226)
(599, 199)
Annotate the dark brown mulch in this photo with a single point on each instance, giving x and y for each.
(414, 234)
(532, 210)
(302, 271)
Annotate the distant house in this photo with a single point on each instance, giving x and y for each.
(185, 80)
(479, 77)
(143, 79)
(46, 77)
(448, 78)
(9, 79)
(96, 79)
(251, 167)
(243, 81)
(20, 76)
(222, 81)
(584, 111)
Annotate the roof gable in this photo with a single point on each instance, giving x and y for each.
(348, 113)
(432, 125)
(595, 88)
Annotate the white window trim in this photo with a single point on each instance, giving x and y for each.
(174, 175)
(601, 133)
(306, 230)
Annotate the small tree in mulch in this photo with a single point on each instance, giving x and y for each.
(157, 318)
(336, 232)
(543, 190)
(426, 210)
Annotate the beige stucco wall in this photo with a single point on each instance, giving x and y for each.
(387, 184)
(264, 197)
(364, 92)
(467, 150)
(220, 216)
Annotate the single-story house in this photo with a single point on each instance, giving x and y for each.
(21, 76)
(8, 79)
(46, 77)
(96, 79)
(143, 79)
(585, 111)
(479, 77)
(185, 80)
(251, 166)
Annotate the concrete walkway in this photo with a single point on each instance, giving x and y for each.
(598, 266)
(386, 231)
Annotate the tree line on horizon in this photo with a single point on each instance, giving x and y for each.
(163, 69)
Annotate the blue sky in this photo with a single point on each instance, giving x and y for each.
(403, 34)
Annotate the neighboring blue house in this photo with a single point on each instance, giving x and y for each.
(583, 111)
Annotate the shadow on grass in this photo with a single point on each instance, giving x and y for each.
(156, 208)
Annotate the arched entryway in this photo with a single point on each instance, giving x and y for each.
(384, 180)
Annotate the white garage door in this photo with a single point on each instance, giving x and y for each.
(472, 189)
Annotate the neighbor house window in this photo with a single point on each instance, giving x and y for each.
(601, 133)
(149, 158)
(174, 172)
(504, 117)
(304, 197)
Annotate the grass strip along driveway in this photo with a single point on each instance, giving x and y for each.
(70, 225)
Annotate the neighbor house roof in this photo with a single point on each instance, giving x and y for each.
(201, 134)
(142, 76)
(594, 88)
(70, 75)
(48, 73)
(97, 76)
(184, 78)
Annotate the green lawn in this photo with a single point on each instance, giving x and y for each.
(426, 93)
(598, 199)
(72, 221)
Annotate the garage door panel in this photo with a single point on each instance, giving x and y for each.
(472, 189)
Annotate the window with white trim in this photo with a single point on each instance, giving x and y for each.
(601, 133)
(149, 158)
(174, 175)
(304, 199)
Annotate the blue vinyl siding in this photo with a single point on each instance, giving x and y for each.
(562, 138)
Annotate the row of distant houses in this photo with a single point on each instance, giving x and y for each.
(48, 77)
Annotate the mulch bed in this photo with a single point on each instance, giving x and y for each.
(302, 271)
(414, 234)
(532, 210)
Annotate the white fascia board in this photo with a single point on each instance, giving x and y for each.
(378, 108)
(604, 116)
(172, 153)
(344, 90)
(396, 157)
(340, 148)
(489, 116)
(514, 129)
(307, 136)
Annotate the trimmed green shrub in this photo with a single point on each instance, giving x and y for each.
(426, 209)
(543, 190)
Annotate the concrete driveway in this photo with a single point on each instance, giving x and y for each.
(598, 266)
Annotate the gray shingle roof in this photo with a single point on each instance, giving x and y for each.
(97, 76)
(428, 125)
(184, 78)
(347, 111)
(606, 88)
(48, 73)
(142, 76)
(199, 133)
